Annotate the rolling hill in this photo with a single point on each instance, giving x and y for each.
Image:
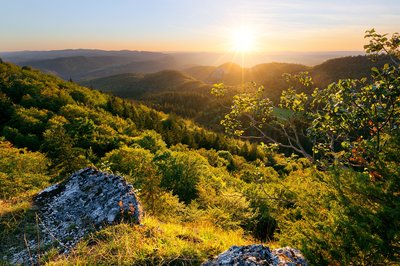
(345, 67)
(86, 64)
(27, 56)
(75, 67)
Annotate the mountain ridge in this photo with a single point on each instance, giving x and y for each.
(147, 61)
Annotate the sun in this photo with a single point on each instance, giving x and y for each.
(243, 40)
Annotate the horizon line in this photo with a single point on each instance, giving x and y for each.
(178, 51)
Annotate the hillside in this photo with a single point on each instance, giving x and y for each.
(202, 191)
(75, 67)
(51, 128)
(45, 95)
(169, 91)
(346, 67)
(127, 85)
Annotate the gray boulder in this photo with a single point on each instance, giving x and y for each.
(254, 255)
(88, 200)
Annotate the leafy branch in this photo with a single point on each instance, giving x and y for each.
(345, 123)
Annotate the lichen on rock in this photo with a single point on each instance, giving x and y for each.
(254, 255)
(88, 200)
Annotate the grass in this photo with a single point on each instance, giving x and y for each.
(16, 219)
(152, 243)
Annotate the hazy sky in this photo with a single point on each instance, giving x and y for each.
(193, 25)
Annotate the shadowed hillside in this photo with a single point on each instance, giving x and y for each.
(136, 85)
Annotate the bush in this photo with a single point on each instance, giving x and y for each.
(181, 172)
(342, 217)
(21, 171)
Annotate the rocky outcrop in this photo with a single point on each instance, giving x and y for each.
(86, 201)
(253, 255)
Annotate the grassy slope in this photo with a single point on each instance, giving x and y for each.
(153, 243)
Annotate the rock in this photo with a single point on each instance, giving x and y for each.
(86, 201)
(253, 255)
(289, 256)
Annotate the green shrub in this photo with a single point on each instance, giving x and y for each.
(21, 171)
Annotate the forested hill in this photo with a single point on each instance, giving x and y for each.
(346, 67)
(34, 104)
(204, 192)
(169, 91)
(138, 85)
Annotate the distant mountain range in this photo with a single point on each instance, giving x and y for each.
(86, 64)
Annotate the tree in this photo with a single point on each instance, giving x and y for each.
(382, 44)
(348, 122)
(6, 108)
(59, 146)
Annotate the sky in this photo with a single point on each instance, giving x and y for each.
(194, 25)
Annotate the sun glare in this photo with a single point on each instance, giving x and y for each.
(243, 40)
